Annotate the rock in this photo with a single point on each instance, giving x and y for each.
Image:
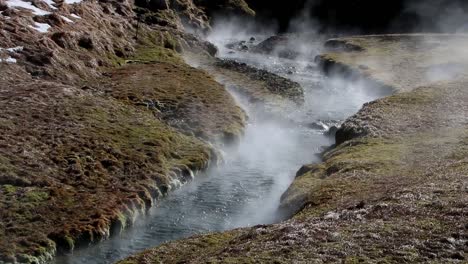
(319, 125)
(305, 169)
(238, 46)
(275, 83)
(277, 46)
(252, 39)
(331, 132)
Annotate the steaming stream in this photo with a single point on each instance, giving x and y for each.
(246, 190)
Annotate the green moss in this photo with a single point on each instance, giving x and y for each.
(6, 167)
(157, 54)
(418, 96)
(376, 155)
(116, 61)
(9, 189)
(35, 196)
(70, 242)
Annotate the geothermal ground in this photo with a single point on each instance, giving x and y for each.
(393, 189)
(108, 107)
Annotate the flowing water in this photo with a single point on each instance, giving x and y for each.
(246, 190)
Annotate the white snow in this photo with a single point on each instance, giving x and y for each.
(15, 49)
(67, 19)
(8, 60)
(73, 1)
(41, 27)
(51, 3)
(75, 16)
(26, 5)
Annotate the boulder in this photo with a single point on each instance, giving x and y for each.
(238, 46)
(331, 132)
(277, 45)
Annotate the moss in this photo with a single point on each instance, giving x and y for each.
(35, 196)
(157, 54)
(375, 155)
(158, 46)
(70, 242)
(9, 189)
(116, 61)
(7, 168)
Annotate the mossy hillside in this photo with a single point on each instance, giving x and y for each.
(81, 164)
(377, 146)
(183, 97)
(403, 62)
(158, 46)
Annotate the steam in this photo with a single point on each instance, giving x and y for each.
(439, 16)
(246, 190)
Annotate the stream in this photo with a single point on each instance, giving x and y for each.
(246, 189)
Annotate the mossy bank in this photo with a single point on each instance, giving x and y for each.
(394, 188)
(100, 117)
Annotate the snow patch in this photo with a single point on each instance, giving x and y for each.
(26, 5)
(41, 27)
(8, 60)
(67, 19)
(75, 16)
(70, 2)
(15, 49)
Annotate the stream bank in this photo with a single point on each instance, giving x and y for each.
(246, 190)
(82, 152)
(393, 190)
